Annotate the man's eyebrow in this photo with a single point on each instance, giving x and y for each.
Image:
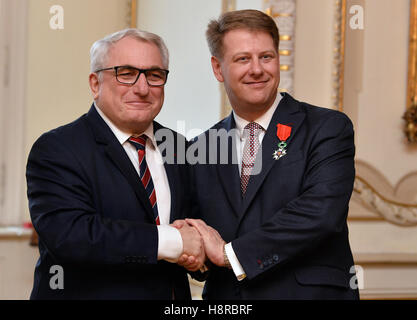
(241, 52)
(151, 67)
(248, 53)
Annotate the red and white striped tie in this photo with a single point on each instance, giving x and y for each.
(145, 175)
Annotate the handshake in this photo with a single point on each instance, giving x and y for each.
(200, 242)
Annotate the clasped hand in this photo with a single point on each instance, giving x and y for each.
(200, 241)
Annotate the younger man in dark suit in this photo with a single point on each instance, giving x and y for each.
(273, 217)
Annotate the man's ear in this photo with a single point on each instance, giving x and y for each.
(217, 69)
(94, 84)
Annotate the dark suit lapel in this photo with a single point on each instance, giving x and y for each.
(169, 164)
(169, 168)
(229, 173)
(287, 113)
(118, 156)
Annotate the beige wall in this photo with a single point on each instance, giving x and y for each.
(17, 265)
(58, 60)
(377, 96)
(375, 76)
(313, 52)
(375, 99)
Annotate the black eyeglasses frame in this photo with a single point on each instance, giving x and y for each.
(140, 72)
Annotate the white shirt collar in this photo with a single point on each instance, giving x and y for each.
(122, 136)
(263, 120)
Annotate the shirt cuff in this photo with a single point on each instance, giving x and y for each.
(169, 243)
(234, 262)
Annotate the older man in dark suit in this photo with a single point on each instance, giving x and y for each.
(104, 189)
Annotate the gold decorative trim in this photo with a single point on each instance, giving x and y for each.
(367, 218)
(410, 126)
(283, 12)
(133, 13)
(412, 57)
(278, 14)
(339, 54)
(410, 115)
(228, 5)
(225, 106)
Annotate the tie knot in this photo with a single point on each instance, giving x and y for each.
(138, 142)
(252, 128)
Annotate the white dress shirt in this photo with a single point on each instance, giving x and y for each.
(263, 121)
(170, 245)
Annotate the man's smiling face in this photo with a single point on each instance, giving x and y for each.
(249, 69)
(130, 107)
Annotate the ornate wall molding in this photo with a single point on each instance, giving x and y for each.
(397, 205)
(403, 214)
(284, 14)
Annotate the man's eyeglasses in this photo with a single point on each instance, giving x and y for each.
(155, 77)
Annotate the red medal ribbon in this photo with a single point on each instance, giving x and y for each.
(283, 131)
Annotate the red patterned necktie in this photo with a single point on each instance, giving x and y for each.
(251, 131)
(145, 175)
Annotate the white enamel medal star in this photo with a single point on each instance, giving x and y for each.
(281, 151)
(279, 154)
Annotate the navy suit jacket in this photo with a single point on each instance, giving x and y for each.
(289, 230)
(94, 219)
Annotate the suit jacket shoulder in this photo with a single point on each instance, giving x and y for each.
(318, 115)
